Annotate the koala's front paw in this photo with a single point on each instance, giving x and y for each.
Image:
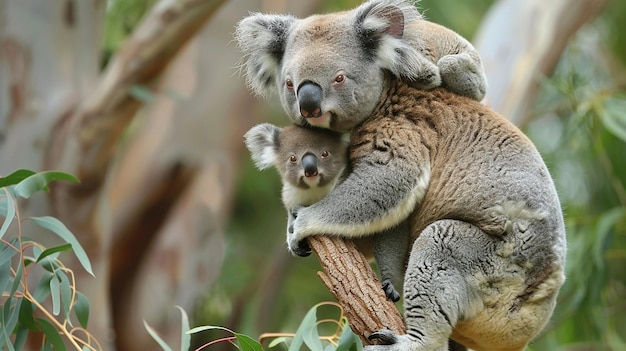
(428, 78)
(298, 246)
(390, 291)
(301, 248)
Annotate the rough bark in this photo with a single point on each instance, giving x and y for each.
(352, 281)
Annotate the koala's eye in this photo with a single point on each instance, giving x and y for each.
(289, 84)
(293, 159)
(339, 79)
(325, 154)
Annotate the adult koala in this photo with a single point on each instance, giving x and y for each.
(489, 241)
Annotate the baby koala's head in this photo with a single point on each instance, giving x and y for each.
(305, 157)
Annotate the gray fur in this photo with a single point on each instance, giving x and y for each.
(378, 38)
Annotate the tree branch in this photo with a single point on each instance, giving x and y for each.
(352, 281)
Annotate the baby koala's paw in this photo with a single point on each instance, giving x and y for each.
(463, 75)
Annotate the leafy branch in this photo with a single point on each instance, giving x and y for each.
(48, 308)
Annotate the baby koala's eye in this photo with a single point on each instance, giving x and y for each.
(293, 159)
(289, 84)
(325, 154)
(339, 79)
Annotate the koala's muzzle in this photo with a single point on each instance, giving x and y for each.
(310, 99)
(309, 163)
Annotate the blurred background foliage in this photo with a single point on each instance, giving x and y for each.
(578, 124)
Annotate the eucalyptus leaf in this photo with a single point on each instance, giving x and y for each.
(26, 319)
(247, 343)
(55, 293)
(156, 337)
(45, 253)
(185, 339)
(66, 294)
(308, 323)
(6, 279)
(18, 279)
(9, 215)
(39, 181)
(43, 288)
(20, 338)
(51, 333)
(57, 227)
(81, 309)
(15, 177)
(10, 313)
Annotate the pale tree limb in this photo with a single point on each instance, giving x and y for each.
(521, 41)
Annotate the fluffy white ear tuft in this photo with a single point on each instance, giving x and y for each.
(262, 39)
(263, 140)
(381, 27)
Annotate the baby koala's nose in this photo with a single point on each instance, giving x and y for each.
(309, 163)
(310, 99)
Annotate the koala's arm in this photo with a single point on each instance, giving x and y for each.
(460, 66)
(387, 179)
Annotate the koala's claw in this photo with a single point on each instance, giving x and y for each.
(390, 291)
(302, 249)
(383, 337)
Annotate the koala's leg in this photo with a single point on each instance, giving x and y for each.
(437, 288)
(391, 251)
(463, 74)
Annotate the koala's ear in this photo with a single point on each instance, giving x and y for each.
(381, 27)
(263, 141)
(262, 40)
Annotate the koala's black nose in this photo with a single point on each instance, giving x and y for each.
(309, 163)
(310, 100)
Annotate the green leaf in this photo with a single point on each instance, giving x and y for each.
(276, 341)
(57, 227)
(39, 181)
(247, 343)
(20, 338)
(308, 323)
(55, 293)
(81, 309)
(43, 288)
(348, 339)
(15, 177)
(208, 327)
(10, 313)
(156, 337)
(18, 278)
(26, 315)
(66, 294)
(9, 215)
(50, 251)
(185, 339)
(52, 335)
(8, 252)
(6, 279)
(614, 116)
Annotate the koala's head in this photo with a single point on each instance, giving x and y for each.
(329, 70)
(306, 157)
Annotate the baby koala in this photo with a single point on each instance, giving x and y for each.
(311, 162)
